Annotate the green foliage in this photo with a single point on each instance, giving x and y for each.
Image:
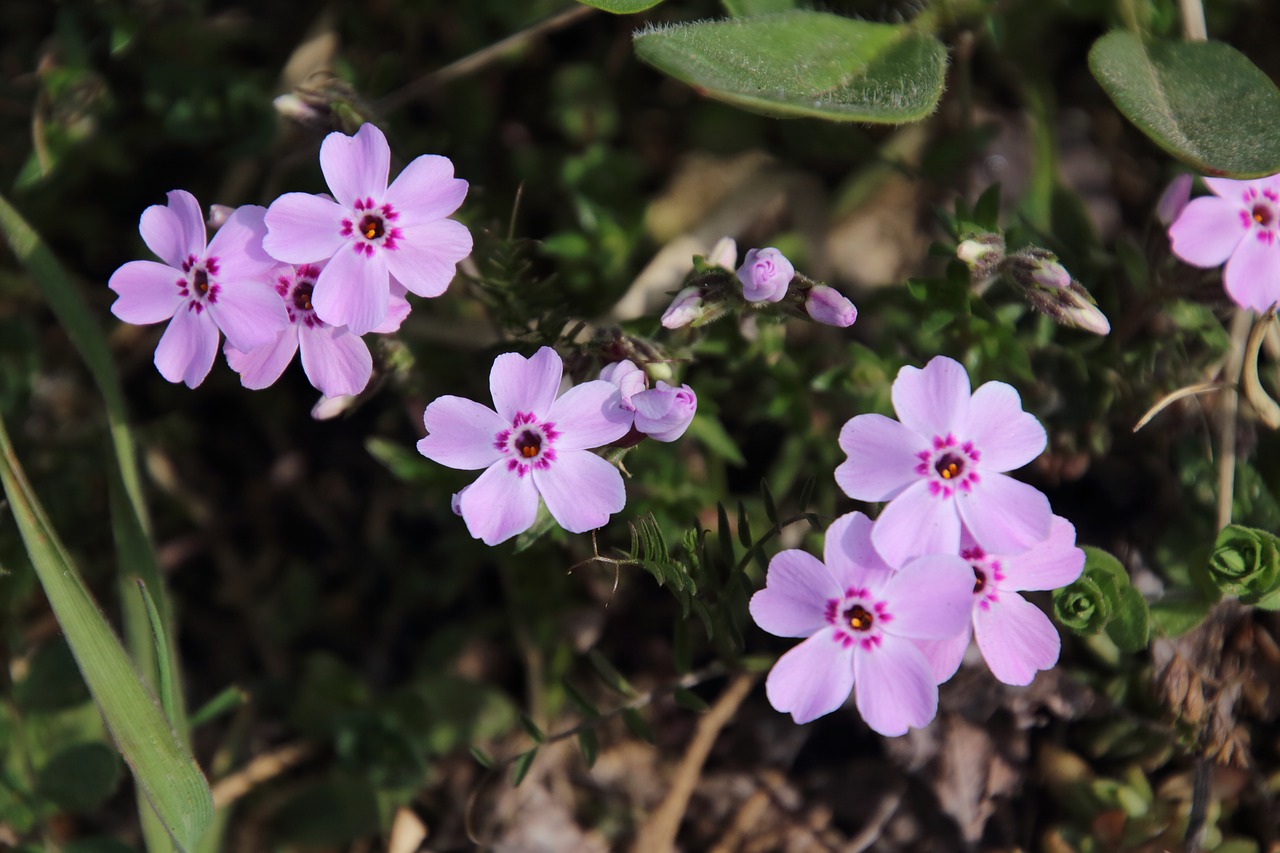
(1245, 563)
(1203, 102)
(622, 7)
(1103, 599)
(804, 63)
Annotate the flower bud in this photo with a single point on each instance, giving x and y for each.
(1049, 289)
(765, 274)
(218, 214)
(455, 501)
(1082, 606)
(1174, 199)
(684, 309)
(723, 254)
(629, 379)
(664, 412)
(1246, 563)
(982, 254)
(830, 306)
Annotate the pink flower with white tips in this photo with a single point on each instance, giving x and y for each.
(204, 287)
(536, 444)
(1239, 225)
(1015, 637)
(863, 620)
(370, 233)
(337, 362)
(944, 463)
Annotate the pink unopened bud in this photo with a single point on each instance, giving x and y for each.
(1174, 199)
(629, 379)
(664, 412)
(830, 306)
(765, 274)
(684, 309)
(1051, 274)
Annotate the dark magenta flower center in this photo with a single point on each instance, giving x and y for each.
(979, 580)
(1263, 214)
(529, 444)
(371, 227)
(200, 281)
(302, 295)
(949, 466)
(859, 618)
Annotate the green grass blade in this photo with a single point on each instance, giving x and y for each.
(163, 768)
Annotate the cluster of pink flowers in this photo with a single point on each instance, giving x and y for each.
(1239, 225)
(535, 443)
(890, 612)
(309, 274)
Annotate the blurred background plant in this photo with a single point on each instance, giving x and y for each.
(360, 672)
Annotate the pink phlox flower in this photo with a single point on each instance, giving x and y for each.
(944, 463)
(535, 445)
(664, 412)
(200, 288)
(370, 233)
(1239, 225)
(1016, 638)
(629, 379)
(765, 275)
(336, 362)
(862, 619)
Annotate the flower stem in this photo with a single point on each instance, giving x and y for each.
(1193, 20)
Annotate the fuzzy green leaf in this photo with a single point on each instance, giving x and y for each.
(750, 8)
(621, 7)
(1203, 102)
(1130, 625)
(804, 63)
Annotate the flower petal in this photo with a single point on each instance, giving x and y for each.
(1004, 515)
(882, 458)
(1052, 564)
(187, 347)
(849, 555)
(303, 228)
(499, 505)
(529, 385)
(337, 362)
(1236, 191)
(461, 433)
(581, 490)
(249, 312)
(397, 311)
(1207, 231)
(1006, 436)
(426, 190)
(148, 292)
(426, 256)
(263, 365)
(589, 415)
(813, 679)
(174, 232)
(930, 598)
(794, 599)
(945, 656)
(238, 245)
(353, 291)
(356, 167)
(1252, 276)
(932, 401)
(1015, 637)
(895, 686)
(916, 522)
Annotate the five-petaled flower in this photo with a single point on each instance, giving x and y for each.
(535, 444)
(204, 288)
(1238, 224)
(336, 361)
(862, 620)
(943, 463)
(369, 230)
(1015, 637)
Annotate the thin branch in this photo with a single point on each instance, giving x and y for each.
(1227, 416)
(1193, 21)
(1175, 396)
(261, 769)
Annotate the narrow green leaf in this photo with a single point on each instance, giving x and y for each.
(770, 508)
(744, 526)
(1174, 616)
(609, 675)
(986, 211)
(162, 767)
(523, 764)
(726, 535)
(689, 700)
(226, 700)
(590, 746)
(638, 725)
(166, 686)
(804, 63)
(407, 465)
(806, 493)
(1203, 102)
(532, 728)
(710, 432)
(482, 758)
(621, 7)
(752, 8)
(682, 647)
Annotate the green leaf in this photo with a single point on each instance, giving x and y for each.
(162, 767)
(1130, 625)
(726, 535)
(639, 725)
(523, 765)
(752, 8)
(770, 508)
(1174, 616)
(407, 465)
(168, 700)
(532, 728)
(804, 63)
(227, 700)
(744, 526)
(81, 777)
(709, 431)
(1203, 102)
(590, 746)
(621, 7)
(585, 706)
(330, 813)
(609, 675)
(690, 700)
(482, 758)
